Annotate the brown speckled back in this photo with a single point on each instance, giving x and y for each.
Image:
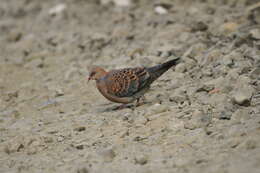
(126, 82)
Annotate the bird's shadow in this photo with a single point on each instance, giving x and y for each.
(121, 107)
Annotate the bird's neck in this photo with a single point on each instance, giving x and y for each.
(101, 75)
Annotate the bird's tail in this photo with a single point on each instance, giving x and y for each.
(158, 70)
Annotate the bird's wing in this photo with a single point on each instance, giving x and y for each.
(127, 82)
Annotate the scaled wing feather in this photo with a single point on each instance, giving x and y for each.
(127, 82)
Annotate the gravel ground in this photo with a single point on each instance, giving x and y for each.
(202, 116)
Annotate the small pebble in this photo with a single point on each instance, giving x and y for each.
(255, 33)
(82, 170)
(160, 10)
(14, 36)
(229, 27)
(60, 138)
(57, 9)
(108, 155)
(141, 159)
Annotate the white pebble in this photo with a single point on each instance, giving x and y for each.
(57, 9)
(160, 10)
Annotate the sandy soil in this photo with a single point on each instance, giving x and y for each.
(202, 116)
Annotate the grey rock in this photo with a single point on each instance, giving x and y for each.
(179, 95)
(232, 58)
(199, 26)
(190, 63)
(221, 83)
(198, 120)
(178, 98)
(241, 115)
(228, 27)
(107, 155)
(242, 97)
(141, 159)
(251, 144)
(59, 92)
(160, 10)
(228, 61)
(207, 72)
(164, 51)
(190, 125)
(255, 33)
(232, 75)
(14, 36)
(225, 115)
(224, 110)
(58, 9)
(13, 147)
(82, 170)
(122, 3)
(48, 139)
(205, 87)
(140, 120)
(180, 68)
(60, 138)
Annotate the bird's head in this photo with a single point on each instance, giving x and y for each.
(96, 73)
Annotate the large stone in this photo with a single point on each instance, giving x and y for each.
(243, 96)
(255, 34)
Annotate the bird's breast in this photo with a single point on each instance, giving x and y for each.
(101, 85)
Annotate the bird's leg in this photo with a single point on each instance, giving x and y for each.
(143, 98)
(121, 107)
(138, 103)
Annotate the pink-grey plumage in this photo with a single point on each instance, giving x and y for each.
(128, 84)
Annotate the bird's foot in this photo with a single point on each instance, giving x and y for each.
(143, 99)
(140, 103)
(123, 106)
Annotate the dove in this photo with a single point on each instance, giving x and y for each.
(128, 84)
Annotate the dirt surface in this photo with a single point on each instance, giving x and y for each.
(202, 116)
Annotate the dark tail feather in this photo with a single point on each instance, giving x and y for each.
(158, 70)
